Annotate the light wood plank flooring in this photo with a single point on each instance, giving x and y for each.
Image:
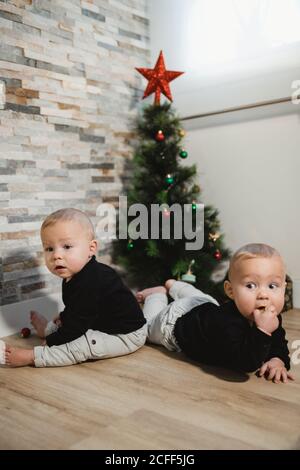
(151, 399)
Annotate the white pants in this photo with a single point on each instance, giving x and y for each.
(161, 317)
(92, 345)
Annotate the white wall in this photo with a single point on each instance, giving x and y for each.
(250, 170)
(16, 316)
(212, 82)
(248, 161)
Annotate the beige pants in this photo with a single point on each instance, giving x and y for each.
(92, 345)
(161, 316)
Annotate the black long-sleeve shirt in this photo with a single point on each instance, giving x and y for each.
(220, 335)
(96, 298)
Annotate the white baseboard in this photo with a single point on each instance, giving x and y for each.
(14, 317)
(296, 293)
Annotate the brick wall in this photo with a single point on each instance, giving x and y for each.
(68, 96)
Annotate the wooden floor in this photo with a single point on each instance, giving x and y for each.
(151, 399)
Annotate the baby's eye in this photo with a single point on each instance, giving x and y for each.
(273, 285)
(67, 247)
(48, 248)
(251, 285)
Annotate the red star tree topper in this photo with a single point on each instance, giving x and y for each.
(159, 79)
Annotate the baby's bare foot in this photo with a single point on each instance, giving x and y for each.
(39, 323)
(17, 357)
(141, 296)
(169, 283)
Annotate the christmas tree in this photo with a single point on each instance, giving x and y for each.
(161, 178)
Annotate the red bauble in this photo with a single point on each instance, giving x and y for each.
(159, 79)
(160, 136)
(218, 255)
(25, 332)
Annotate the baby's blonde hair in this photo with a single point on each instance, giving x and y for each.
(252, 250)
(67, 215)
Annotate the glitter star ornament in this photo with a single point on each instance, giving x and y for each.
(158, 79)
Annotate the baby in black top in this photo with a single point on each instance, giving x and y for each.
(244, 333)
(101, 318)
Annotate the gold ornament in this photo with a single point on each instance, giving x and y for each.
(214, 236)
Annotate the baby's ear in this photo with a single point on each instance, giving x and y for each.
(93, 246)
(228, 289)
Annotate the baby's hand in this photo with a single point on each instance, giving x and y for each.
(266, 319)
(57, 320)
(275, 370)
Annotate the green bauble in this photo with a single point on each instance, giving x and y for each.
(183, 154)
(169, 179)
(130, 245)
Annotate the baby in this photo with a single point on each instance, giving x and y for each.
(101, 318)
(244, 333)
